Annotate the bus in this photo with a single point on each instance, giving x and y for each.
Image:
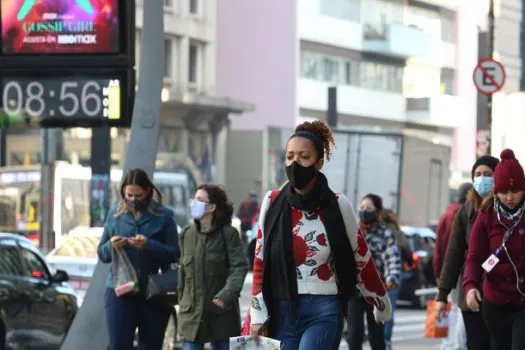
(20, 192)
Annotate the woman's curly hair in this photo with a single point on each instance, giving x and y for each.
(321, 130)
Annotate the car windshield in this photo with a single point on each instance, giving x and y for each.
(78, 247)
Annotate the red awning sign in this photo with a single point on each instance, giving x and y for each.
(489, 76)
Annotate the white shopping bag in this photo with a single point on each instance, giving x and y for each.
(247, 343)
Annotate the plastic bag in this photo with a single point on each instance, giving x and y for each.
(124, 274)
(435, 329)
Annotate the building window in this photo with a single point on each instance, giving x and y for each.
(378, 15)
(194, 6)
(447, 81)
(330, 71)
(427, 20)
(448, 27)
(421, 80)
(381, 76)
(349, 10)
(193, 63)
(347, 73)
(168, 58)
(309, 63)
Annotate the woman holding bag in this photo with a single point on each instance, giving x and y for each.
(144, 230)
(212, 273)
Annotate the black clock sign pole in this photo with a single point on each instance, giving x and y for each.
(62, 67)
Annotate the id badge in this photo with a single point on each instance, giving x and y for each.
(489, 264)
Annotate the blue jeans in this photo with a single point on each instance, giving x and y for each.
(125, 314)
(312, 322)
(217, 345)
(393, 294)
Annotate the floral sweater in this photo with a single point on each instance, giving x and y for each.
(315, 274)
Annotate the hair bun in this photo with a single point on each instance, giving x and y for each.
(507, 154)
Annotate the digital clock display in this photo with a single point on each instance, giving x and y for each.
(63, 101)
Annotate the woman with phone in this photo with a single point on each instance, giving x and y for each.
(144, 230)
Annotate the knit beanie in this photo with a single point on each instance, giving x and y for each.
(509, 174)
(489, 161)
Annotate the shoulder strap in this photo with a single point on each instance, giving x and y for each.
(274, 195)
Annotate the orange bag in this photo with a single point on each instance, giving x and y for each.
(435, 329)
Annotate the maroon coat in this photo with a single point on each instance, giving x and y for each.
(499, 285)
(444, 228)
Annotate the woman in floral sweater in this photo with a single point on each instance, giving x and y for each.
(303, 273)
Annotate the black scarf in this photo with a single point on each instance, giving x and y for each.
(280, 276)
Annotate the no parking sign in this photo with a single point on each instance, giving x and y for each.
(489, 76)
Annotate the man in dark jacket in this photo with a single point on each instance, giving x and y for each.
(444, 228)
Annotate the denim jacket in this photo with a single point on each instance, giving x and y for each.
(162, 247)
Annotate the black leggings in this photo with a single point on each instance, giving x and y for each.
(506, 325)
(358, 307)
(478, 337)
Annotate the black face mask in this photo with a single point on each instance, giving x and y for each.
(137, 204)
(367, 217)
(300, 176)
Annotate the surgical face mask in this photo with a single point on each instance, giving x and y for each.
(367, 216)
(198, 209)
(483, 185)
(137, 204)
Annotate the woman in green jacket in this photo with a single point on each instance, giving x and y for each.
(212, 272)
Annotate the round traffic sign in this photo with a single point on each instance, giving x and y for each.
(489, 76)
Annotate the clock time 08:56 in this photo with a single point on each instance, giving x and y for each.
(57, 98)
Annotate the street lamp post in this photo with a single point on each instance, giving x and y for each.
(491, 55)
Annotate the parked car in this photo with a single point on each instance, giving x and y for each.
(421, 241)
(37, 306)
(77, 255)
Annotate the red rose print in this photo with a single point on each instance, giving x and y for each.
(323, 272)
(297, 215)
(300, 250)
(321, 239)
(259, 233)
(371, 279)
(362, 247)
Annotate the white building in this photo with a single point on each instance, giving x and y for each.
(398, 65)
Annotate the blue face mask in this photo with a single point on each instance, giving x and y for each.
(483, 185)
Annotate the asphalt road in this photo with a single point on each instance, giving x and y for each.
(408, 328)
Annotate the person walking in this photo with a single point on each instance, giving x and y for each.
(310, 255)
(457, 335)
(451, 276)
(497, 252)
(385, 254)
(391, 222)
(146, 232)
(444, 229)
(212, 273)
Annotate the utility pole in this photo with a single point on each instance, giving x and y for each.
(88, 330)
(52, 148)
(491, 55)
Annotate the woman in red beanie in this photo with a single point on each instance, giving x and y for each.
(497, 250)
